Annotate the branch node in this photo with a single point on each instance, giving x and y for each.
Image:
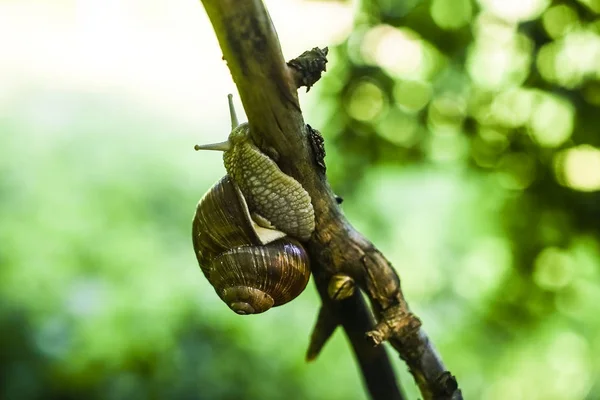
(395, 322)
(378, 335)
(448, 382)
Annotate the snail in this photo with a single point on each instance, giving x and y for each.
(247, 228)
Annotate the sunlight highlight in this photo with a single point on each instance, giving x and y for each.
(513, 107)
(400, 52)
(552, 120)
(515, 10)
(579, 168)
(500, 57)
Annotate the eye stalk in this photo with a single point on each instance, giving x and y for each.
(226, 145)
(221, 146)
(232, 115)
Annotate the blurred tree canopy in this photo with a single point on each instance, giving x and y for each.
(464, 137)
(507, 94)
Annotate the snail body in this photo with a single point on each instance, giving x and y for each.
(277, 199)
(247, 228)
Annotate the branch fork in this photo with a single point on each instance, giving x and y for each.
(341, 258)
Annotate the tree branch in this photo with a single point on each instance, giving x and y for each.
(268, 90)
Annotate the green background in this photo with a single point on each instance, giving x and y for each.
(464, 137)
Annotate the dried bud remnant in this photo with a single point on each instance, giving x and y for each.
(341, 286)
(308, 66)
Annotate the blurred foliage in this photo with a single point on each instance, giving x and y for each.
(464, 137)
(499, 101)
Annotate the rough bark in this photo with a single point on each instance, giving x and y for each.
(268, 89)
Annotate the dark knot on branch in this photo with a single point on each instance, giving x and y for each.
(308, 67)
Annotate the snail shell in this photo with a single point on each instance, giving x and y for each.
(251, 268)
(246, 228)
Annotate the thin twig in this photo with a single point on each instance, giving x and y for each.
(268, 90)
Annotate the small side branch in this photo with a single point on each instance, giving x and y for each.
(308, 67)
(326, 324)
(353, 315)
(268, 89)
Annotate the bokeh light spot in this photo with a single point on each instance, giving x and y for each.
(551, 121)
(571, 60)
(495, 62)
(411, 95)
(516, 171)
(579, 168)
(546, 61)
(483, 269)
(365, 101)
(515, 10)
(400, 52)
(446, 112)
(578, 57)
(553, 269)
(512, 108)
(447, 145)
(399, 128)
(559, 20)
(451, 14)
(569, 357)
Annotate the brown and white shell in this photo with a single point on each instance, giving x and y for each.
(252, 268)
